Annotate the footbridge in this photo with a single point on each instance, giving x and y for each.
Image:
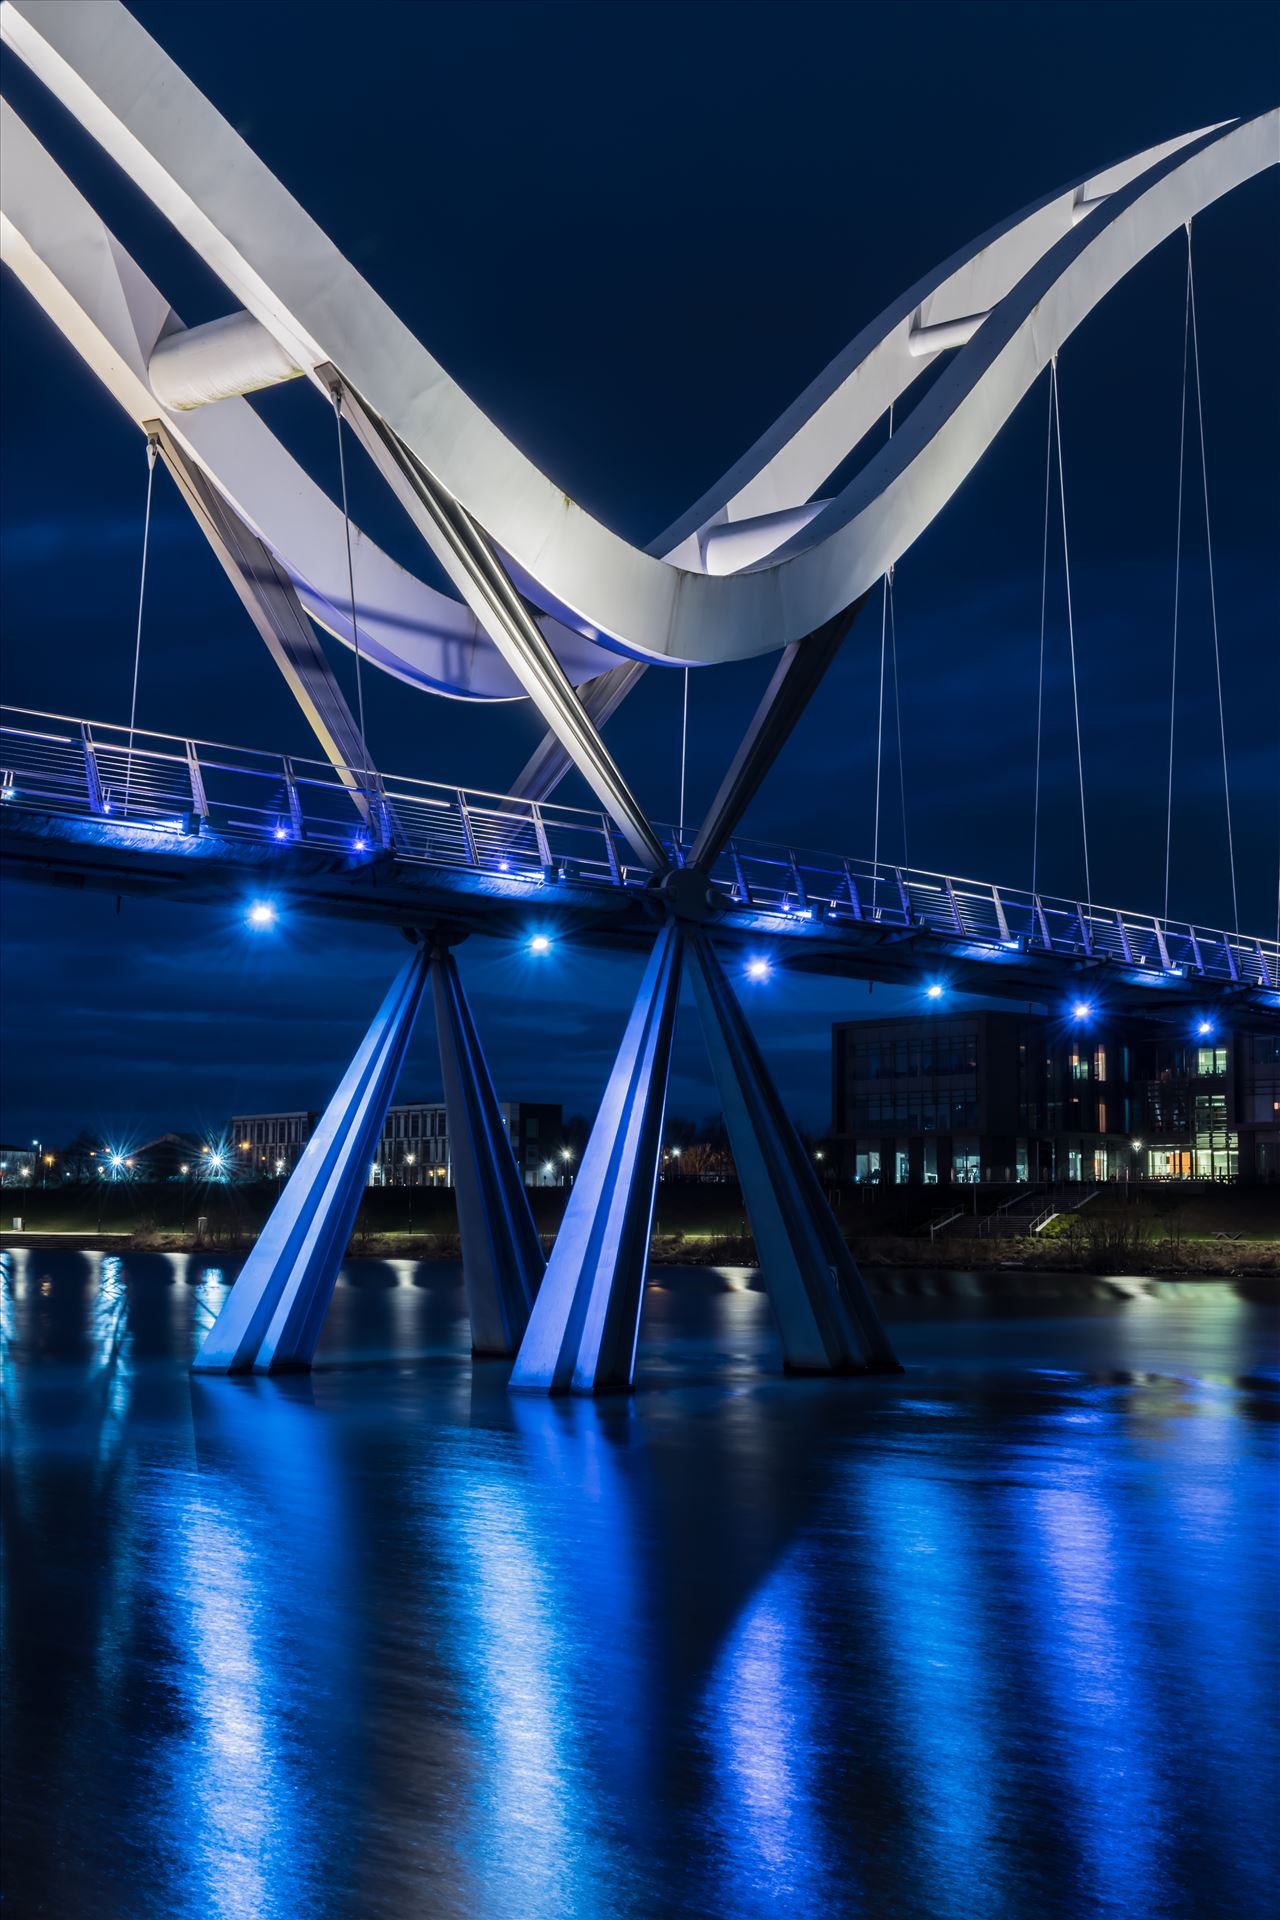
(544, 603)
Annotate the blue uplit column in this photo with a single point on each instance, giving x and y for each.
(272, 1317)
(502, 1259)
(581, 1336)
(825, 1315)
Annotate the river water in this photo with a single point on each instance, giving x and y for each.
(995, 1638)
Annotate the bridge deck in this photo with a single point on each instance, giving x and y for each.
(191, 819)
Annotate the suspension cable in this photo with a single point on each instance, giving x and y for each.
(152, 449)
(884, 620)
(897, 711)
(1071, 636)
(1044, 596)
(1177, 578)
(684, 750)
(336, 393)
(1213, 600)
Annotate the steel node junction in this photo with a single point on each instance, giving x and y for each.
(548, 605)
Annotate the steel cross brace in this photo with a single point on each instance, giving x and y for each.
(475, 569)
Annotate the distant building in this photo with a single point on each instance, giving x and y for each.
(413, 1150)
(1008, 1096)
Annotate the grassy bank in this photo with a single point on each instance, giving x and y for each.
(1170, 1230)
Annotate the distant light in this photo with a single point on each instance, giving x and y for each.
(7, 793)
(215, 1161)
(360, 844)
(262, 915)
(566, 1153)
(675, 1153)
(1082, 1010)
(758, 969)
(117, 1159)
(282, 833)
(184, 1169)
(279, 1166)
(819, 1155)
(1136, 1145)
(504, 866)
(934, 992)
(1206, 1026)
(539, 944)
(106, 806)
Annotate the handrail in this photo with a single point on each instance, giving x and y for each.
(173, 783)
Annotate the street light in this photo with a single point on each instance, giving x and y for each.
(1082, 1010)
(758, 969)
(934, 992)
(262, 915)
(539, 944)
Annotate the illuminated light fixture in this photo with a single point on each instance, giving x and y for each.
(262, 915)
(539, 944)
(117, 1159)
(360, 844)
(215, 1161)
(1081, 1010)
(504, 866)
(1136, 1145)
(282, 833)
(934, 992)
(758, 969)
(1205, 1027)
(7, 793)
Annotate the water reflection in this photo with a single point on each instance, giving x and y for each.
(995, 1639)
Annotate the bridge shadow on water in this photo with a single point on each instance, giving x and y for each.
(992, 1638)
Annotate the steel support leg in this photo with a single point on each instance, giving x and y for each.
(825, 1315)
(502, 1259)
(582, 1331)
(272, 1318)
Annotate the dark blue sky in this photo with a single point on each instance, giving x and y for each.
(634, 233)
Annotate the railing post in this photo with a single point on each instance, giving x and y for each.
(1042, 917)
(1162, 947)
(903, 896)
(954, 906)
(93, 785)
(468, 833)
(1001, 921)
(199, 800)
(540, 833)
(291, 795)
(1123, 931)
(615, 870)
(852, 885)
(797, 880)
(739, 876)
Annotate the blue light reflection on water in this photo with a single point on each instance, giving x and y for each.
(994, 1639)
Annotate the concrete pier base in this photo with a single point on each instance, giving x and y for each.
(581, 1336)
(826, 1317)
(502, 1261)
(271, 1319)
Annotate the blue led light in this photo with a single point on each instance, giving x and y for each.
(262, 915)
(758, 969)
(1082, 1010)
(934, 992)
(539, 944)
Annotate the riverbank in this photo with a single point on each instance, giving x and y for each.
(1081, 1254)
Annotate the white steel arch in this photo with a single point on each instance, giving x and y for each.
(756, 564)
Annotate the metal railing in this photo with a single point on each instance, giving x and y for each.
(165, 784)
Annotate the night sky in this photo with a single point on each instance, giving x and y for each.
(634, 233)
